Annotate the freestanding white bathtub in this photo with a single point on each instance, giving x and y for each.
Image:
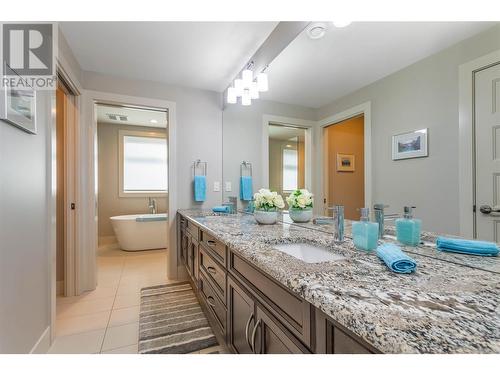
(140, 232)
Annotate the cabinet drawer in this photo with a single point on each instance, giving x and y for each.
(214, 305)
(193, 230)
(217, 248)
(343, 344)
(216, 274)
(294, 312)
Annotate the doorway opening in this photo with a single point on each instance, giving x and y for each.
(287, 158)
(345, 165)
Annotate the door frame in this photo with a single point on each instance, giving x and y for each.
(466, 149)
(70, 79)
(307, 125)
(361, 109)
(88, 188)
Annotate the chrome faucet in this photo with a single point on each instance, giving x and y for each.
(232, 204)
(152, 205)
(381, 217)
(338, 223)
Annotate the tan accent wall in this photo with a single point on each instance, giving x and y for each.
(346, 188)
(109, 202)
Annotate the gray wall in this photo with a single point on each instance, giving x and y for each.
(423, 95)
(109, 201)
(25, 231)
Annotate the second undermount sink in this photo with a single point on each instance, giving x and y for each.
(309, 253)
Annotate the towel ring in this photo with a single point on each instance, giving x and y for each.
(245, 165)
(197, 164)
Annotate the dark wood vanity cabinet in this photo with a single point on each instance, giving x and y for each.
(241, 318)
(332, 338)
(251, 312)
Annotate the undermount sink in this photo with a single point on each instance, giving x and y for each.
(308, 253)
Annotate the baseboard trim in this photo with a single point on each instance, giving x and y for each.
(42, 346)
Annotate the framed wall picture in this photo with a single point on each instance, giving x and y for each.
(18, 107)
(410, 145)
(345, 163)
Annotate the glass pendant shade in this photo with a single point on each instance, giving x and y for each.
(262, 84)
(238, 86)
(245, 98)
(254, 91)
(247, 77)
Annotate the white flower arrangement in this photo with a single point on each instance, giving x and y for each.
(300, 199)
(267, 200)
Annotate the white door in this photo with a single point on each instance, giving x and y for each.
(487, 126)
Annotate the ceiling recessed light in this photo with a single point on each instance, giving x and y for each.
(153, 121)
(316, 30)
(341, 23)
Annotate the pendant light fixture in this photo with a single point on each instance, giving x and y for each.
(247, 87)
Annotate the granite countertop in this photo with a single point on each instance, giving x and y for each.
(443, 307)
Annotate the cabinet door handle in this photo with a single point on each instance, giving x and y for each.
(212, 270)
(211, 243)
(209, 301)
(247, 327)
(254, 334)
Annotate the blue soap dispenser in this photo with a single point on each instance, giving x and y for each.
(408, 229)
(364, 232)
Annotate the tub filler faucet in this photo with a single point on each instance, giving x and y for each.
(152, 206)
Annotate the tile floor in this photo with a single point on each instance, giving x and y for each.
(106, 320)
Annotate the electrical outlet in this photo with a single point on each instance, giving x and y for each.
(228, 186)
(216, 186)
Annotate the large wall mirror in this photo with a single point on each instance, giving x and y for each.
(337, 105)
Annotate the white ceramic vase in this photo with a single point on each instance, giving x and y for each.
(301, 215)
(266, 217)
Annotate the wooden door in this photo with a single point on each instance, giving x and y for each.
(241, 318)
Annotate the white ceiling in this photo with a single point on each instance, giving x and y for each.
(204, 55)
(316, 72)
(135, 116)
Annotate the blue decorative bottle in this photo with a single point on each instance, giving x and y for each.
(408, 229)
(364, 232)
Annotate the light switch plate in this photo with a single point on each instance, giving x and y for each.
(216, 186)
(228, 186)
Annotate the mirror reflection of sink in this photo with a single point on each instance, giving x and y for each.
(309, 253)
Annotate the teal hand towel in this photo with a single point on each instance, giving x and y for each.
(221, 209)
(458, 245)
(200, 188)
(156, 217)
(246, 191)
(395, 259)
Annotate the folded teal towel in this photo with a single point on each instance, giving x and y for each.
(395, 259)
(246, 191)
(221, 209)
(200, 188)
(457, 245)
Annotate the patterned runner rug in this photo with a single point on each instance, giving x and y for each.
(172, 322)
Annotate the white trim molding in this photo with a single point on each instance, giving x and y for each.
(87, 237)
(466, 139)
(308, 125)
(361, 109)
